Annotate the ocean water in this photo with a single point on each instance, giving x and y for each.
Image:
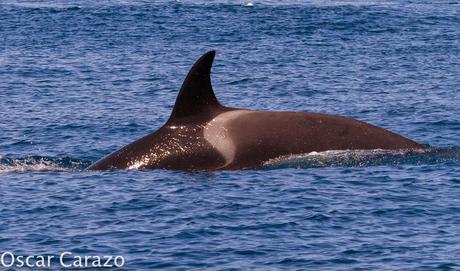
(80, 79)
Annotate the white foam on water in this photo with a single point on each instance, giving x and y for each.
(341, 157)
(39, 164)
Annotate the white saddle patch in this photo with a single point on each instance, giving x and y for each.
(216, 133)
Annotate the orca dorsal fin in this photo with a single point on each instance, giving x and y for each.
(196, 95)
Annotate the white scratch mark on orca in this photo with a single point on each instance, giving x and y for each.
(216, 133)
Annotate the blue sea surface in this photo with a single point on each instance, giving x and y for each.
(80, 79)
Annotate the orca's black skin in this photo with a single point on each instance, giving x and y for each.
(203, 135)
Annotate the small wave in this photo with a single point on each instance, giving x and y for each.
(43, 5)
(41, 163)
(365, 158)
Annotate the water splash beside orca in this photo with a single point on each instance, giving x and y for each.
(36, 163)
(345, 158)
(366, 158)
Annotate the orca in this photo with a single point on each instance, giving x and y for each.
(203, 135)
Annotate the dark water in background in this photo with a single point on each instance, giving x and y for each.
(80, 79)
